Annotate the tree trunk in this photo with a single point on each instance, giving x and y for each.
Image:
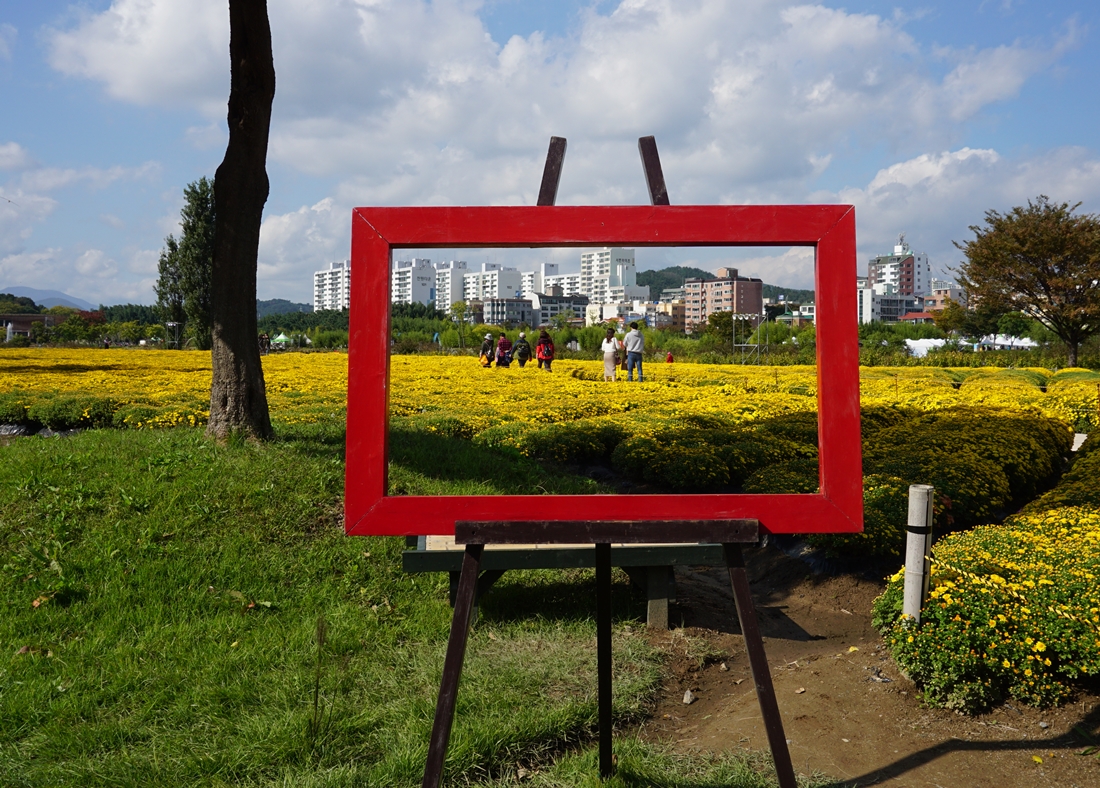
(1071, 353)
(238, 397)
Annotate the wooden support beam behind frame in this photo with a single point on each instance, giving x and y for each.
(743, 531)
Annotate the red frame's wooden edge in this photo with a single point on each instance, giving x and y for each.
(829, 228)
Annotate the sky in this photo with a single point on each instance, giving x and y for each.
(923, 115)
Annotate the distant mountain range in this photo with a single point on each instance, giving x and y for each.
(280, 306)
(49, 297)
(676, 275)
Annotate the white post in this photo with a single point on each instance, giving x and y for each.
(918, 545)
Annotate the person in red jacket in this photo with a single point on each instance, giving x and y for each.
(668, 358)
(544, 350)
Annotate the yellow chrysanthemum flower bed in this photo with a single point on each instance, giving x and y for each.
(1014, 611)
(165, 388)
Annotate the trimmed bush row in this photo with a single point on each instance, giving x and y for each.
(982, 461)
(69, 412)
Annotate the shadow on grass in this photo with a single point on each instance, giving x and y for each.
(559, 595)
(446, 458)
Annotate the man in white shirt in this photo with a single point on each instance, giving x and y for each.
(634, 343)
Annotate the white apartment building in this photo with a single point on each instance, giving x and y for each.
(548, 306)
(507, 312)
(608, 275)
(448, 283)
(332, 287)
(412, 281)
(909, 274)
(570, 284)
(492, 281)
(880, 303)
(534, 281)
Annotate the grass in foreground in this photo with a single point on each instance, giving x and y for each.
(173, 612)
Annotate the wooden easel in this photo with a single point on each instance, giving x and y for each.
(731, 534)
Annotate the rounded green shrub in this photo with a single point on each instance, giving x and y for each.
(799, 475)
(885, 514)
(66, 412)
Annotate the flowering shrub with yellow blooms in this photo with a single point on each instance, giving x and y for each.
(164, 388)
(64, 388)
(1014, 609)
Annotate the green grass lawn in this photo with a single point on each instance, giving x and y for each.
(162, 598)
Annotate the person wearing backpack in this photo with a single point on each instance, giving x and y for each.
(504, 351)
(544, 350)
(521, 351)
(486, 355)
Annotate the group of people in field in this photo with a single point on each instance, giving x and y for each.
(625, 354)
(504, 352)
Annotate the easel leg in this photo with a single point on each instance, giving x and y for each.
(452, 666)
(603, 655)
(758, 661)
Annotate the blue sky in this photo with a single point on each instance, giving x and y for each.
(922, 115)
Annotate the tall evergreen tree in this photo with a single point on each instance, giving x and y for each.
(196, 256)
(168, 288)
(184, 269)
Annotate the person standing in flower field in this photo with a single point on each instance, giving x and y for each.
(504, 350)
(486, 356)
(521, 351)
(610, 347)
(634, 343)
(544, 350)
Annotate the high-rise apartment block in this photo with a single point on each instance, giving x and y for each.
(570, 284)
(730, 292)
(608, 276)
(907, 273)
(492, 281)
(332, 286)
(535, 281)
(412, 281)
(448, 283)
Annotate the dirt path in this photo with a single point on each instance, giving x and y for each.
(846, 710)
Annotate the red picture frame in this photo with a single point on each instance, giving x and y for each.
(829, 229)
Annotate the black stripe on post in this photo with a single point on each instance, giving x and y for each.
(654, 177)
(551, 173)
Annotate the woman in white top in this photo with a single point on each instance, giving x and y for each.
(610, 347)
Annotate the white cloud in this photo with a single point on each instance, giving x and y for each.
(991, 75)
(410, 102)
(95, 263)
(47, 179)
(294, 245)
(934, 198)
(13, 156)
(8, 35)
(150, 51)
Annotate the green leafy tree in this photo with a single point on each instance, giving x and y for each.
(1014, 324)
(17, 305)
(1042, 259)
(952, 318)
(457, 313)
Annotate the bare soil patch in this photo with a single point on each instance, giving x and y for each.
(847, 711)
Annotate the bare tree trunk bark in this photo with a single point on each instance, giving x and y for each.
(238, 396)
